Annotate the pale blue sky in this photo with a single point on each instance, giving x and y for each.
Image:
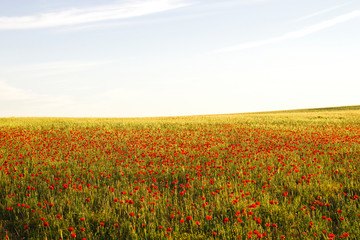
(137, 58)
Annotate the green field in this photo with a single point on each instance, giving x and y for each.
(282, 174)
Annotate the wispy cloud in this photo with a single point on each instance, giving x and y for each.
(75, 16)
(11, 94)
(218, 5)
(129, 22)
(51, 68)
(294, 34)
(319, 12)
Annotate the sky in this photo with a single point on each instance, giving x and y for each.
(142, 58)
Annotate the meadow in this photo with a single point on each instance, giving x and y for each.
(272, 175)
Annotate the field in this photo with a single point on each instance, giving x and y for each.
(272, 175)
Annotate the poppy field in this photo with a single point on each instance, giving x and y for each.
(271, 175)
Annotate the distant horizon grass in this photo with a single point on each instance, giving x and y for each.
(319, 115)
